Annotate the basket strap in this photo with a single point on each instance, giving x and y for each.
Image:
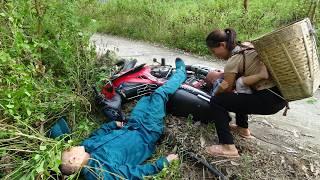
(244, 58)
(287, 103)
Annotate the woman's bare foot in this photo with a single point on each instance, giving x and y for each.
(263, 74)
(223, 150)
(243, 132)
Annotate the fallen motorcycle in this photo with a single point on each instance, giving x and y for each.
(132, 82)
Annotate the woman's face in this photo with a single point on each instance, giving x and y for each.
(221, 51)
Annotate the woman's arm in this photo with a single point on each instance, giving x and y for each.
(228, 83)
(253, 79)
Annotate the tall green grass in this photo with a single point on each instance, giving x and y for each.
(46, 69)
(185, 23)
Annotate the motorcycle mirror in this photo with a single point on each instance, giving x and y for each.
(154, 60)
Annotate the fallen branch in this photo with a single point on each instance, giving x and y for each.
(214, 170)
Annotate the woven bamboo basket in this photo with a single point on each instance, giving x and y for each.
(290, 54)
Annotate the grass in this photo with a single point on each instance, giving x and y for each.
(46, 69)
(184, 24)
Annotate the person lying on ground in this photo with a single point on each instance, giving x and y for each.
(117, 151)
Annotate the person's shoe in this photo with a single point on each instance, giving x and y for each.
(224, 150)
(180, 64)
(243, 132)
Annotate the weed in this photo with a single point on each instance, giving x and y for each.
(46, 69)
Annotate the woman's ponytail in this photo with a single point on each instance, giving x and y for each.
(217, 36)
(231, 38)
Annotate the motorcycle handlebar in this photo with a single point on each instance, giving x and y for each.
(197, 70)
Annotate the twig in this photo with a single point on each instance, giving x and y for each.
(221, 161)
(215, 171)
(20, 150)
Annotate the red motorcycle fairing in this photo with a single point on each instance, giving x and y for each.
(138, 75)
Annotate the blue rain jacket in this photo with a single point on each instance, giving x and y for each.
(119, 153)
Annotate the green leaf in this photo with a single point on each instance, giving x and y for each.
(11, 19)
(36, 157)
(42, 148)
(27, 93)
(312, 100)
(41, 117)
(10, 106)
(40, 168)
(17, 117)
(28, 112)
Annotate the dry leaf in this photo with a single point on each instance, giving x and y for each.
(304, 168)
(267, 123)
(234, 163)
(295, 133)
(282, 160)
(202, 142)
(311, 167)
(40, 68)
(198, 123)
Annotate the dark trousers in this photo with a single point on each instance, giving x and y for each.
(261, 102)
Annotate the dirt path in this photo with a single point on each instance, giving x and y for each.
(296, 134)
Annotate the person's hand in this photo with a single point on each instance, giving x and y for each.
(224, 85)
(172, 157)
(120, 124)
(263, 73)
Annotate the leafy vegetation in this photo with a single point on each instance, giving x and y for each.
(46, 69)
(184, 24)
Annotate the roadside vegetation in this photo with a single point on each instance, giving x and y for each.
(184, 24)
(46, 70)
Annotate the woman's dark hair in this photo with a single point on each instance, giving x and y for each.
(217, 36)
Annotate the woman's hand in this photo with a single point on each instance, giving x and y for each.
(120, 124)
(228, 83)
(224, 85)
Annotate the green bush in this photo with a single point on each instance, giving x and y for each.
(46, 69)
(185, 23)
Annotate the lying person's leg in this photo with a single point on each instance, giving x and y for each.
(150, 110)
